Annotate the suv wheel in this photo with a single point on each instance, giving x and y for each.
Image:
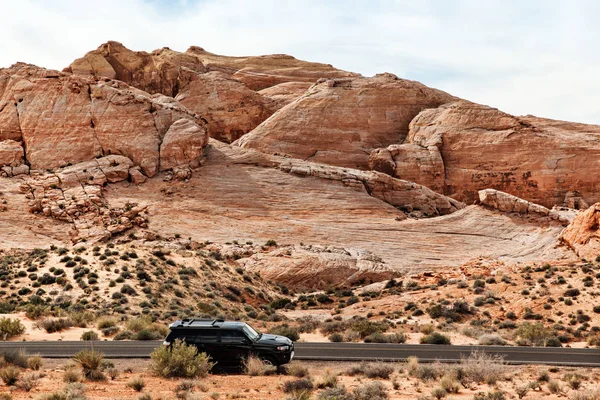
(269, 361)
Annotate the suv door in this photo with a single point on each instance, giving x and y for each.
(235, 345)
(206, 340)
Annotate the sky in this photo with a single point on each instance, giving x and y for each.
(535, 57)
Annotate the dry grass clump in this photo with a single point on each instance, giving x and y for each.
(9, 375)
(422, 372)
(90, 362)
(18, 358)
(372, 370)
(299, 389)
(29, 381)
(72, 375)
(297, 369)
(137, 383)
(254, 366)
(72, 391)
(480, 367)
(328, 380)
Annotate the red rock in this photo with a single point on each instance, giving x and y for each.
(11, 153)
(462, 147)
(230, 108)
(284, 93)
(67, 119)
(339, 122)
(583, 234)
(183, 143)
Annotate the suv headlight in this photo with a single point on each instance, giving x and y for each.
(283, 348)
(165, 343)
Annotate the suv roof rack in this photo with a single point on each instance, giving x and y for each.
(190, 321)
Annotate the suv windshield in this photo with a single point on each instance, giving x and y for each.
(250, 332)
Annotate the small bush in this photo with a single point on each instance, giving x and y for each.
(492, 340)
(9, 375)
(55, 325)
(90, 362)
(298, 370)
(287, 331)
(71, 375)
(328, 380)
(17, 358)
(299, 388)
(138, 384)
(105, 322)
(336, 337)
(89, 335)
(481, 367)
(35, 362)
(180, 361)
(435, 338)
(10, 328)
(254, 366)
(370, 391)
(29, 381)
(372, 370)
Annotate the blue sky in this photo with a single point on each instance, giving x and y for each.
(524, 57)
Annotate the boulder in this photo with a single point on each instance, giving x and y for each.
(583, 235)
(182, 144)
(340, 121)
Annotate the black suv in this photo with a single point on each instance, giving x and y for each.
(229, 342)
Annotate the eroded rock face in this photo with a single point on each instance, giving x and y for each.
(11, 153)
(462, 147)
(162, 71)
(284, 93)
(260, 72)
(339, 122)
(230, 108)
(318, 267)
(583, 234)
(183, 144)
(65, 119)
(74, 194)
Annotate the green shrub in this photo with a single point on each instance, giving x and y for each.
(180, 361)
(435, 338)
(55, 325)
(9, 375)
(287, 331)
(18, 358)
(90, 362)
(10, 328)
(89, 335)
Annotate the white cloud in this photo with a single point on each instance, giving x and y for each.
(534, 57)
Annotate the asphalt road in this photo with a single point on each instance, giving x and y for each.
(337, 352)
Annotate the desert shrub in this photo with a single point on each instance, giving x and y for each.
(18, 358)
(336, 337)
(370, 391)
(554, 387)
(438, 393)
(55, 325)
(328, 380)
(254, 366)
(495, 395)
(35, 362)
(450, 384)
(534, 335)
(29, 381)
(124, 335)
(336, 393)
(105, 322)
(10, 327)
(148, 334)
(299, 388)
(90, 362)
(138, 384)
(372, 370)
(492, 339)
(481, 367)
(9, 375)
(378, 337)
(287, 331)
(72, 375)
(298, 370)
(72, 391)
(435, 338)
(180, 361)
(573, 380)
(89, 335)
(364, 327)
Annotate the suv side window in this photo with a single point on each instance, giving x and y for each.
(207, 336)
(231, 336)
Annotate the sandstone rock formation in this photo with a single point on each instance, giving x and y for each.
(284, 93)
(508, 203)
(11, 153)
(583, 234)
(74, 195)
(318, 267)
(183, 143)
(230, 108)
(65, 119)
(265, 71)
(340, 121)
(462, 147)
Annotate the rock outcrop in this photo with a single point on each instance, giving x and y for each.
(183, 144)
(583, 234)
(11, 153)
(512, 204)
(340, 121)
(284, 93)
(75, 194)
(318, 267)
(260, 72)
(229, 107)
(65, 119)
(462, 147)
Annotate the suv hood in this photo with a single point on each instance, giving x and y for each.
(267, 338)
